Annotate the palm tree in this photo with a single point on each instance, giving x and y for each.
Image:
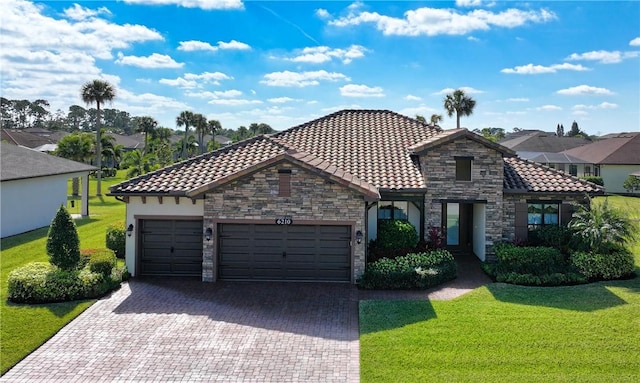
(435, 119)
(185, 118)
(98, 92)
(460, 104)
(146, 125)
(202, 128)
(139, 163)
(77, 147)
(214, 127)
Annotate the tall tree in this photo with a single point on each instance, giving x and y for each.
(139, 163)
(421, 118)
(460, 104)
(98, 92)
(559, 131)
(200, 123)
(575, 130)
(146, 125)
(493, 134)
(185, 119)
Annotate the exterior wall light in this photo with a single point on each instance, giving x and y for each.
(208, 234)
(359, 237)
(129, 230)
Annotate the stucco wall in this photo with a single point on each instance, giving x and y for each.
(614, 176)
(487, 173)
(32, 203)
(153, 209)
(313, 199)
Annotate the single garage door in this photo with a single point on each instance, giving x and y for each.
(171, 247)
(281, 252)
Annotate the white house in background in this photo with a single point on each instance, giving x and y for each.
(614, 159)
(33, 185)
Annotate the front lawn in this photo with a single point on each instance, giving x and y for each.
(507, 333)
(25, 327)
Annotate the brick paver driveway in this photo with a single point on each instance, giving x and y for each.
(186, 330)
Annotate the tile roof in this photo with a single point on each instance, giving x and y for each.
(448, 135)
(539, 141)
(621, 149)
(367, 150)
(22, 163)
(526, 176)
(370, 144)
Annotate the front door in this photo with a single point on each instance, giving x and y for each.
(457, 221)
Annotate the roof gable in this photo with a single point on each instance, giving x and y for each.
(522, 176)
(22, 163)
(454, 134)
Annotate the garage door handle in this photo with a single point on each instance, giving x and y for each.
(284, 254)
(171, 249)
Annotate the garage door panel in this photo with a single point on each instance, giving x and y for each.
(171, 247)
(255, 251)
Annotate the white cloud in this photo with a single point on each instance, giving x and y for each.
(234, 102)
(411, 97)
(78, 12)
(602, 105)
(548, 108)
(474, 39)
(540, 69)
(322, 13)
(605, 57)
(466, 89)
(584, 89)
(323, 54)
(202, 4)
(423, 110)
(518, 99)
(301, 79)
(232, 93)
(468, 3)
(192, 80)
(435, 21)
(635, 42)
(147, 103)
(353, 90)
(150, 62)
(282, 100)
(195, 45)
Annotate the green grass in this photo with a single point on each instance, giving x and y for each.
(506, 333)
(25, 327)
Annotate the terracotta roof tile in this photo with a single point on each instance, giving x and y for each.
(525, 176)
(370, 144)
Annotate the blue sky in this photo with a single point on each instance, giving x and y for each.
(530, 64)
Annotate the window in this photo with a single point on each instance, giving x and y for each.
(596, 170)
(587, 170)
(393, 210)
(542, 214)
(463, 168)
(573, 170)
(561, 167)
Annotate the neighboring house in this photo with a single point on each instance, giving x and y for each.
(568, 164)
(129, 143)
(542, 142)
(302, 204)
(33, 185)
(613, 158)
(23, 138)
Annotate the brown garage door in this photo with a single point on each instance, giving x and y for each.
(171, 247)
(280, 252)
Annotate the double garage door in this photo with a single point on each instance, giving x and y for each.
(248, 251)
(281, 252)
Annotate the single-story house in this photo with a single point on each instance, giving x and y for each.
(613, 158)
(303, 203)
(33, 185)
(541, 142)
(566, 163)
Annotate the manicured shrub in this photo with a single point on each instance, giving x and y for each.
(40, 282)
(116, 238)
(558, 237)
(594, 179)
(554, 279)
(394, 234)
(412, 271)
(614, 264)
(102, 261)
(63, 243)
(537, 260)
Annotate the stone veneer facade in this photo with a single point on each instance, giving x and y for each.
(313, 200)
(438, 166)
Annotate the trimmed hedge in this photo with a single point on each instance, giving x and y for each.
(116, 238)
(412, 271)
(40, 282)
(538, 260)
(617, 264)
(395, 234)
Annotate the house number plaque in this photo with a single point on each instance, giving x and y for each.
(286, 220)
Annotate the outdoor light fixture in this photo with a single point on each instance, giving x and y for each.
(129, 230)
(208, 234)
(359, 237)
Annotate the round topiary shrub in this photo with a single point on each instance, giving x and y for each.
(63, 243)
(116, 238)
(393, 234)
